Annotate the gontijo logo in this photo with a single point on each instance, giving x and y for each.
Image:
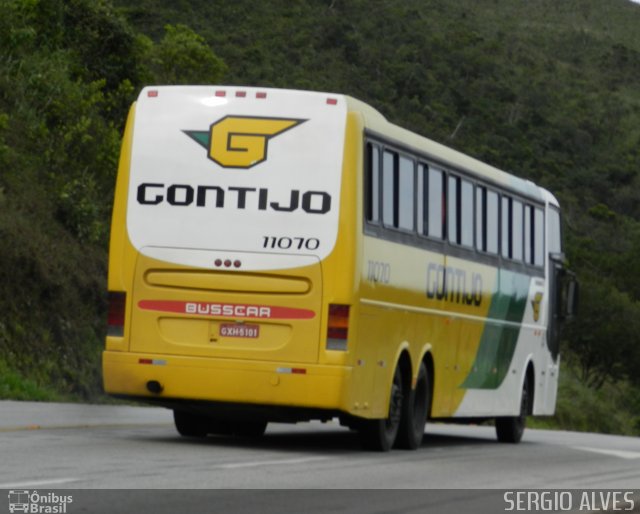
(241, 141)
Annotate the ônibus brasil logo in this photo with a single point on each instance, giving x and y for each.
(241, 141)
(32, 502)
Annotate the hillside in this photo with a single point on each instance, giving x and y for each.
(547, 90)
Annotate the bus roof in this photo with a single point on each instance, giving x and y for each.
(376, 123)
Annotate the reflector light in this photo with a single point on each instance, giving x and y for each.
(261, 95)
(218, 262)
(241, 94)
(152, 94)
(338, 327)
(227, 263)
(332, 101)
(292, 371)
(153, 362)
(237, 264)
(116, 313)
(221, 93)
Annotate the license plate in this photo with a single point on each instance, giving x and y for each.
(239, 330)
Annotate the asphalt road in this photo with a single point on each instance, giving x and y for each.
(54, 446)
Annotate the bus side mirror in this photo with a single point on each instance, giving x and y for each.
(567, 294)
(570, 294)
(566, 289)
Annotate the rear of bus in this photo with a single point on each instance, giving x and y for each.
(224, 231)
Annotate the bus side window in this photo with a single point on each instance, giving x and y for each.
(466, 213)
(406, 193)
(554, 235)
(481, 218)
(516, 228)
(505, 226)
(493, 222)
(389, 189)
(435, 203)
(373, 182)
(422, 199)
(538, 237)
(528, 234)
(453, 220)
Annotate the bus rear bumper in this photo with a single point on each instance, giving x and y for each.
(200, 379)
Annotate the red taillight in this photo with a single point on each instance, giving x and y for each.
(338, 327)
(115, 317)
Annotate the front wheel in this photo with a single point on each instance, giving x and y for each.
(510, 429)
(380, 434)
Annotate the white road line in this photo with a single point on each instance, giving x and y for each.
(281, 462)
(623, 454)
(38, 483)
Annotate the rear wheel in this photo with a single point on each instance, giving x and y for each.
(380, 434)
(219, 427)
(189, 424)
(510, 429)
(248, 428)
(414, 413)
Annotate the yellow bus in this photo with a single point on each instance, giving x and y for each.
(283, 256)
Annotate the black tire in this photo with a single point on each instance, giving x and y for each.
(219, 427)
(380, 434)
(249, 428)
(189, 424)
(510, 429)
(415, 410)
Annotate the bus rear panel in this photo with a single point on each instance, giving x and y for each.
(227, 203)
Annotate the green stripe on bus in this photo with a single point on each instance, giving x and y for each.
(498, 340)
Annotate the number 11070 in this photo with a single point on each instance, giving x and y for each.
(290, 243)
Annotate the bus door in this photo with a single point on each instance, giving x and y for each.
(561, 304)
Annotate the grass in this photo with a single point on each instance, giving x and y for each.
(613, 409)
(14, 386)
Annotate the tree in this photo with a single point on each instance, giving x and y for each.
(606, 335)
(183, 57)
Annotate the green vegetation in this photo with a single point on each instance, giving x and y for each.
(613, 408)
(17, 387)
(548, 90)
